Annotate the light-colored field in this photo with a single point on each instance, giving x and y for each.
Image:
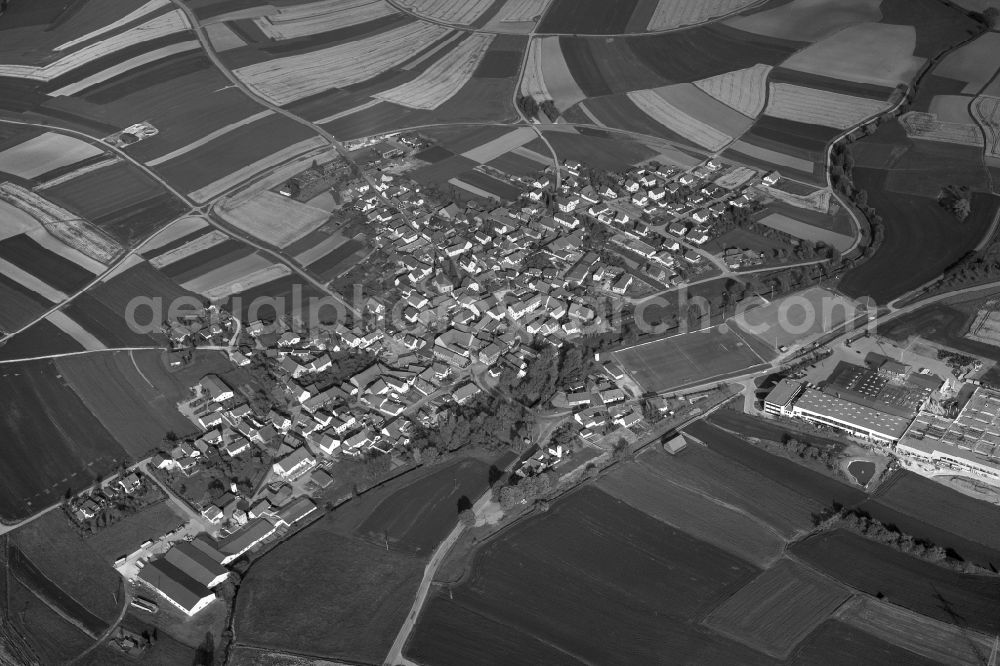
(459, 12)
(516, 11)
(533, 80)
(500, 145)
(937, 641)
(671, 14)
(128, 262)
(222, 37)
(228, 274)
(73, 232)
(110, 160)
(14, 221)
(126, 66)
(668, 115)
(809, 20)
(773, 156)
(817, 200)
(50, 242)
(273, 218)
(347, 112)
(314, 17)
(532, 155)
(321, 249)
(211, 136)
(249, 281)
(789, 320)
(927, 126)
(744, 90)
(472, 189)
(284, 80)
(433, 53)
(29, 281)
(45, 152)
(240, 15)
(735, 178)
(232, 180)
(547, 76)
(951, 108)
(778, 608)
(75, 331)
(808, 232)
(161, 26)
(696, 103)
(975, 63)
(135, 15)
(442, 80)
(820, 107)
(211, 239)
(986, 111)
(177, 230)
(876, 53)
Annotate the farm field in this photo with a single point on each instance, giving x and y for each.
(811, 106)
(416, 518)
(44, 153)
(935, 512)
(488, 187)
(688, 359)
(808, 232)
(530, 580)
(938, 322)
(808, 20)
(374, 591)
(778, 608)
(137, 411)
(647, 488)
(797, 317)
(974, 63)
(588, 17)
(50, 638)
(29, 255)
(21, 304)
(921, 239)
(905, 581)
(72, 567)
(106, 325)
(603, 150)
(42, 407)
(744, 90)
(838, 644)
(40, 339)
(125, 536)
(257, 214)
(338, 260)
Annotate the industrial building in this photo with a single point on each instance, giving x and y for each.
(859, 420)
(178, 588)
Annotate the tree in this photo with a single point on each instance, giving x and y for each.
(991, 17)
(510, 496)
(468, 517)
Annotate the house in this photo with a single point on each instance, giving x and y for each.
(130, 483)
(622, 284)
(295, 463)
(216, 388)
(212, 514)
(771, 179)
(677, 228)
(701, 216)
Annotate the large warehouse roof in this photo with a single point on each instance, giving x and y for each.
(858, 416)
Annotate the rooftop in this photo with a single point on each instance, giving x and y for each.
(860, 416)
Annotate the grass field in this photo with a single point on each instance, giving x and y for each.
(125, 536)
(45, 153)
(138, 409)
(867, 53)
(808, 20)
(417, 517)
(585, 17)
(687, 358)
(69, 564)
(973, 63)
(798, 317)
(650, 489)
(589, 568)
(41, 407)
(921, 239)
(336, 596)
(905, 581)
(778, 609)
(813, 233)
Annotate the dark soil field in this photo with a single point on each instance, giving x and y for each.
(206, 260)
(516, 165)
(438, 173)
(930, 510)
(264, 300)
(921, 240)
(105, 324)
(461, 138)
(939, 593)
(593, 578)
(939, 25)
(610, 151)
(20, 304)
(327, 595)
(39, 406)
(842, 86)
(603, 66)
(125, 536)
(837, 644)
(139, 410)
(337, 261)
(143, 282)
(942, 323)
(749, 426)
(416, 518)
(620, 112)
(231, 152)
(502, 190)
(40, 339)
(55, 548)
(588, 17)
(28, 255)
(434, 154)
(52, 639)
(28, 574)
(650, 489)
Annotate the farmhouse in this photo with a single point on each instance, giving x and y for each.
(176, 586)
